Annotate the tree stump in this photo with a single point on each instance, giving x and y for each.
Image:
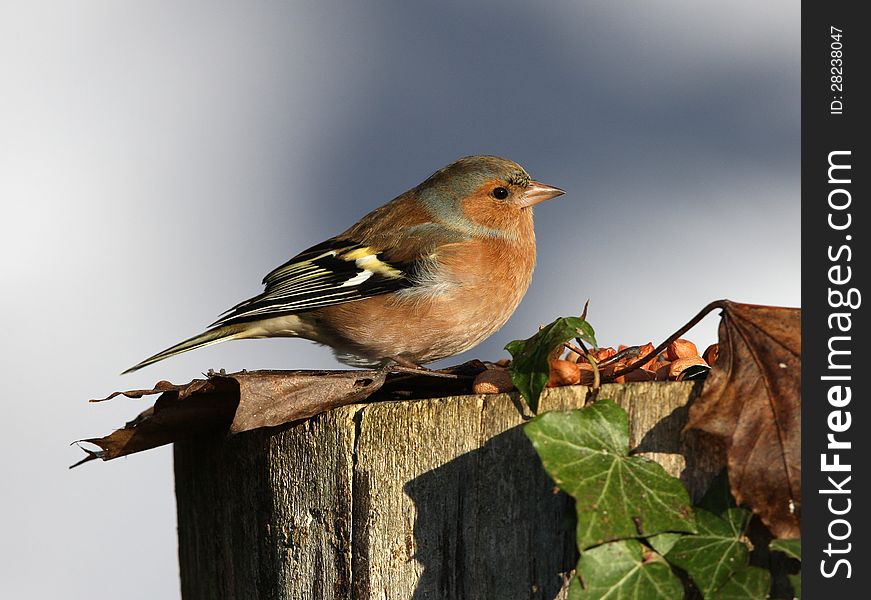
(442, 499)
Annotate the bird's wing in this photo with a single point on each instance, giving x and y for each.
(333, 272)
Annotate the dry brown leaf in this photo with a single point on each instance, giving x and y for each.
(751, 400)
(249, 400)
(271, 398)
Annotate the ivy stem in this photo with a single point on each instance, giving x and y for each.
(582, 351)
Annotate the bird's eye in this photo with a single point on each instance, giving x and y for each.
(500, 193)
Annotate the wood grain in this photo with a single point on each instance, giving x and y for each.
(441, 499)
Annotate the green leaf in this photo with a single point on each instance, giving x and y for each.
(710, 557)
(795, 580)
(792, 548)
(664, 542)
(529, 358)
(749, 583)
(575, 589)
(617, 496)
(624, 570)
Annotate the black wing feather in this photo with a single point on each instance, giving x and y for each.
(333, 272)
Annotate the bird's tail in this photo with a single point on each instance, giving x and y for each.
(207, 338)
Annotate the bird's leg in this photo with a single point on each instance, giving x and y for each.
(406, 362)
(400, 364)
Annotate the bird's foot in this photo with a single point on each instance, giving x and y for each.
(400, 364)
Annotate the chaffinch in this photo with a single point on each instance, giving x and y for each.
(428, 275)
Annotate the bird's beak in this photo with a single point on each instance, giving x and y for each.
(537, 192)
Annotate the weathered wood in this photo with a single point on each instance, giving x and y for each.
(441, 499)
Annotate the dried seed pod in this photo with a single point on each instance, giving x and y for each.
(627, 355)
(681, 348)
(644, 350)
(563, 372)
(711, 354)
(601, 354)
(680, 364)
(493, 381)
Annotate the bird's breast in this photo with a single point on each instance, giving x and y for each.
(479, 272)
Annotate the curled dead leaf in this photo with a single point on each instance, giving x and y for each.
(711, 353)
(253, 399)
(751, 400)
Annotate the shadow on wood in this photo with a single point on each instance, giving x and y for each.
(489, 520)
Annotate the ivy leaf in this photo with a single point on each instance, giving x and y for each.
(795, 581)
(716, 552)
(792, 548)
(624, 570)
(749, 583)
(664, 542)
(618, 496)
(575, 589)
(529, 358)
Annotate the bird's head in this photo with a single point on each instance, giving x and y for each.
(486, 195)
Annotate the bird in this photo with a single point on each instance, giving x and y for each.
(426, 276)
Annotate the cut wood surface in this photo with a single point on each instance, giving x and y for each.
(441, 499)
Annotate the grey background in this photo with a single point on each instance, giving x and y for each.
(156, 159)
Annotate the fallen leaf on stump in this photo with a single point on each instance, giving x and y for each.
(751, 400)
(253, 399)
